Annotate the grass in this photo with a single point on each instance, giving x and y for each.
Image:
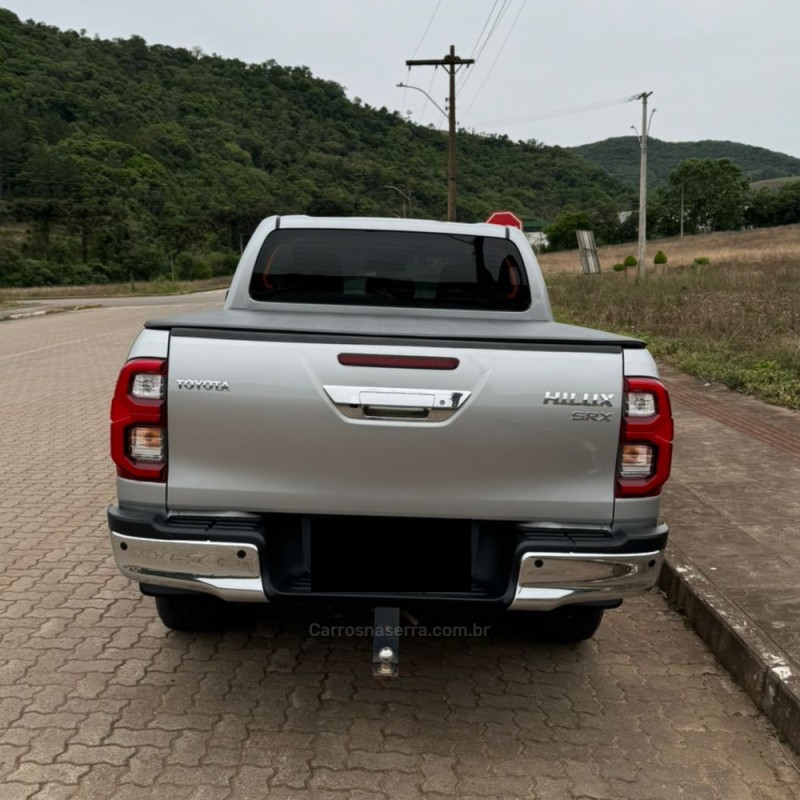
(773, 184)
(139, 288)
(735, 321)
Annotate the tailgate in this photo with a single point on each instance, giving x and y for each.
(268, 425)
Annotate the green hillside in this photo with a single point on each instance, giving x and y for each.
(119, 158)
(620, 158)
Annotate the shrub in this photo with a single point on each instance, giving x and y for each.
(660, 258)
(701, 261)
(630, 261)
(619, 267)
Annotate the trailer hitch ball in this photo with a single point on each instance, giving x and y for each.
(386, 642)
(385, 667)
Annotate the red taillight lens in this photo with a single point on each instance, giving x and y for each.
(645, 454)
(139, 421)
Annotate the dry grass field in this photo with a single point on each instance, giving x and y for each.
(773, 244)
(734, 321)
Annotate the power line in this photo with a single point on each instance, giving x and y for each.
(510, 121)
(500, 14)
(427, 28)
(416, 50)
(478, 40)
(479, 49)
(499, 52)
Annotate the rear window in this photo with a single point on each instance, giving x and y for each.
(390, 268)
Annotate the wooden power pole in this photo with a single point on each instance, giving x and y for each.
(451, 61)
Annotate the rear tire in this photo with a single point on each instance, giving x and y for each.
(192, 612)
(569, 624)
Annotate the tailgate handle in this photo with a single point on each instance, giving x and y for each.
(414, 405)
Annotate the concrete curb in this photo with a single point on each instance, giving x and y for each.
(765, 671)
(42, 312)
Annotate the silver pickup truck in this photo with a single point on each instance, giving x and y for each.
(385, 410)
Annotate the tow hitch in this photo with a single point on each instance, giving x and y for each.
(386, 642)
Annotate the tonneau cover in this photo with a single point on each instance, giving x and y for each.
(393, 324)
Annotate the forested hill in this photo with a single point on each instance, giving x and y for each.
(620, 158)
(119, 153)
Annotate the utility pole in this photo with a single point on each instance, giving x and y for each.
(641, 255)
(681, 211)
(451, 62)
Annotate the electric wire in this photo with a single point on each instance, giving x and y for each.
(478, 41)
(497, 56)
(510, 121)
(480, 47)
(427, 28)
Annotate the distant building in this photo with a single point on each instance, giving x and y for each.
(538, 239)
(534, 233)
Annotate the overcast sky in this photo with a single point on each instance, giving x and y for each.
(718, 69)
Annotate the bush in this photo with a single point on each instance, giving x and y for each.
(619, 268)
(630, 261)
(701, 261)
(222, 263)
(202, 271)
(660, 258)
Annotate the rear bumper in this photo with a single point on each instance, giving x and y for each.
(254, 559)
(229, 570)
(549, 580)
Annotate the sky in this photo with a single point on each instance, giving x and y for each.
(718, 69)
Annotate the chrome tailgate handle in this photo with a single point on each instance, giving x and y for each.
(413, 405)
(397, 399)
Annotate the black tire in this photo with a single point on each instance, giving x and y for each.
(568, 625)
(192, 612)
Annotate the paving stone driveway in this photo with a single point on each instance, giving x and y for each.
(97, 700)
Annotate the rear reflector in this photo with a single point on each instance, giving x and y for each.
(397, 362)
(645, 452)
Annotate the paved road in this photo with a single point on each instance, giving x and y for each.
(97, 700)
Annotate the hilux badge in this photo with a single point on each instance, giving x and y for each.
(574, 399)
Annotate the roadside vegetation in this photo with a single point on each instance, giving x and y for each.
(137, 288)
(734, 320)
(122, 158)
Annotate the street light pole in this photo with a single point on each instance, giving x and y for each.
(406, 198)
(402, 85)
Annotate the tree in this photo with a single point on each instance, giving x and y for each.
(561, 235)
(714, 194)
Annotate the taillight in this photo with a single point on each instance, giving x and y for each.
(645, 452)
(139, 420)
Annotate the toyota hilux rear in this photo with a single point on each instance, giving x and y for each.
(385, 411)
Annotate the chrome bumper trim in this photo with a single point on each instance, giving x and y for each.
(549, 580)
(228, 570)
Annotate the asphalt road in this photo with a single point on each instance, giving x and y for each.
(98, 700)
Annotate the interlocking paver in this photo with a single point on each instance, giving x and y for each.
(98, 701)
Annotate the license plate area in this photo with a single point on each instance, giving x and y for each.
(377, 555)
